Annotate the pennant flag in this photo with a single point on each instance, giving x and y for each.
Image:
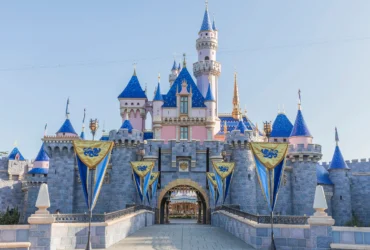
(92, 155)
(213, 186)
(270, 163)
(153, 184)
(223, 175)
(142, 172)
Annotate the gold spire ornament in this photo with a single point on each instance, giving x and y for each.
(236, 103)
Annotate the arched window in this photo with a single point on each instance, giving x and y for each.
(206, 58)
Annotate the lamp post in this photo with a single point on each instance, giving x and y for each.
(267, 129)
(94, 125)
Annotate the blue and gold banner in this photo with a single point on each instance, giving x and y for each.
(153, 184)
(213, 186)
(92, 156)
(223, 175)
(270, 163)
(142, 172)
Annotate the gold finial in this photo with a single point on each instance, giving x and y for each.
(236, 104)
(134, 64)
(159, 77)
(184, 63)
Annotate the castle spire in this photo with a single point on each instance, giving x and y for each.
(336, 136)
(338, 161)
(184, 62)
(299, 99)
(67, 109)
(236, 103)
(158, 96)
(206, 24)
(134, 74)
(82, 135)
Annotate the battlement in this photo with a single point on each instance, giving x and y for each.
(324, 163)
(302, 152)
(206, 67)
(235, 139)
(123, 138)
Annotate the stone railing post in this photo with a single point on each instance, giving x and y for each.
(320, 223)
(41, 221)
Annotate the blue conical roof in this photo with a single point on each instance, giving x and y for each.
(214, 25)
(179, 68)
(174, 66)
(206, 24)
(241, 126)
(67, 127)
(158, 96)
(209, 96)
(16, 154)
(338, 161)
(133, 89)
(322, 175)
(82, 135)
(42, 155)
(300, 127)
(127, 125)
(39, 171)
(282, 127)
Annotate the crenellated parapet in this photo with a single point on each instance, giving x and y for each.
(122, 137)
(206, 67)
(235, 139)
(206, 42)
(302, 152)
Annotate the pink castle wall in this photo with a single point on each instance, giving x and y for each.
(136, 120)
(199, 133)
(168, 133)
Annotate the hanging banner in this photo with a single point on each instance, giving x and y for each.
(213, 186)
(142, 172)
(223, 176)
(270, 163)
(92, 156)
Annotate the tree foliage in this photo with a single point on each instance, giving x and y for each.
(11, 216)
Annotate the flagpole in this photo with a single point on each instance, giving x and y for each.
(273, 247)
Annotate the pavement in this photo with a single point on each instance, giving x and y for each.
(181, 236)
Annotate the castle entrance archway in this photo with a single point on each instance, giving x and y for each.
(183, 197)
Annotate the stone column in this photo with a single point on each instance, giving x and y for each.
(320, 223)
(167, 211)
(199, 212)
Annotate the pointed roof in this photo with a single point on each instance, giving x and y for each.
(42, 155)
(241, 126)
(127, 124)
(206, 24)
(158, 96)
(214, 24)
(322, 175)
(105, 136)
(82, 135)
(197, 97)
(282, 127)
(16, 155)
(209, 96)
(300, 128)
(67, 128)
(133, 89)
(179, 68)
(174, 66)
(338, 161)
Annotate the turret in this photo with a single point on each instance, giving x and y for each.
(132, 102)
(211, 115)
(207, 69)
(41, 163)
(67, 129)
(281, 128)
(338, 173)
(17, 164)
(82, 135)
(157, 111)
(300, 133)
(174, 72)
(302, 158)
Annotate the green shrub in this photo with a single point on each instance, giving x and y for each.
(355, 222)
(11, 216)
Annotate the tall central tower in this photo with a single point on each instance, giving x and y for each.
(207, 69)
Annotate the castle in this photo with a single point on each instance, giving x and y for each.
(188, 128)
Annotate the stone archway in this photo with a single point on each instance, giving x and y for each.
(183, 182)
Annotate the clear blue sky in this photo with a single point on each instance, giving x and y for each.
(85, 49)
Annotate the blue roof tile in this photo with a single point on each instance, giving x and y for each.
(16, 154)
(67, 127)
(170, 97)
(206, 24)
(133, 89)
(104, 137)
(127, 125)
(209, 96)
(39, 171)
(158, 96)
(282, 127)
(241, 126)
(322, 175)
(300, 127)
(231, 123)
(42, 155)
(148, 135)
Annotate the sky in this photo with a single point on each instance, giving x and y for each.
(85, 50)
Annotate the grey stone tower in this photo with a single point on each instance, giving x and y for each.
(244, 184)
(341, 201)
(302, 157)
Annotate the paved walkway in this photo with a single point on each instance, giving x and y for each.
(181, 237)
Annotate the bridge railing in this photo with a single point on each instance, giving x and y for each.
(84, 218)
(265, 219)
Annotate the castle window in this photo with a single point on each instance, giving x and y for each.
(138, 103)
(341, 198)
(184, 132)
(206, 34)
(275, 140)
(206, 58)
(284, 140)
(184, 105)
(132, 103)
